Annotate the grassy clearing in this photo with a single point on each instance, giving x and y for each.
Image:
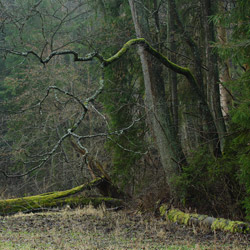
(90, 229)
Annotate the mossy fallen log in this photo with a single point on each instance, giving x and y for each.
(58, 199)
(204, 221)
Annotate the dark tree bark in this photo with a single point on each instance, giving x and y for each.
(214, 133)
(173, 76)
(190, 42)
(169, 147)
(213, 88)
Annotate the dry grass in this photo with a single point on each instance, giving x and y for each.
(90, 229)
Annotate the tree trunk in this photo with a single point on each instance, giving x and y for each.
(226, 98)
(190, 42)
(214, 131)
(213, 87)
(172, 74)
(155, 101)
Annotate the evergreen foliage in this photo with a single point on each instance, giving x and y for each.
(121, 98)
(205, 176)
(238, 20)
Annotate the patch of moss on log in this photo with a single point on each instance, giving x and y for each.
(189, 219)
(56, 199)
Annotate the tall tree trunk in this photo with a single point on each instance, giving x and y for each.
(213, 87)
(214, 133)
(172, 74)
(190, 42)
(225, 76)
(155, 101)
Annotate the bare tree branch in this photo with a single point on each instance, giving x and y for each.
(69, 132)
(88, 57)
(104, 63)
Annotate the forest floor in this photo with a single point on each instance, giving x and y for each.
(91, 229)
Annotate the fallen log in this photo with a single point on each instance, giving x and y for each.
(204, 221)
(59, 199)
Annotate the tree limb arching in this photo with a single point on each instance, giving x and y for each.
(163, 59)
(106, 62)
(179, 70)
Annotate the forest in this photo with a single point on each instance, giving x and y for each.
(154, 95)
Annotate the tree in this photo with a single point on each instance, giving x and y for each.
(234, 51)
(169, 147)
(213, 88)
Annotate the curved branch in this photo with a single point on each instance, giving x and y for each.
(104, 63)
(163, 59)
(88, 57)
(180, 70)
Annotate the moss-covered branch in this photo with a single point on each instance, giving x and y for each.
(163, 59)
(105, 62)
(205, 221)
(57, 199)
(123, 50)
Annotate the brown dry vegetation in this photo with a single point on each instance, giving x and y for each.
(90, 228)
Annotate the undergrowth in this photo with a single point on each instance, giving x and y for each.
(90, 229)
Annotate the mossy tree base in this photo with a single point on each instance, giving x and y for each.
(59, 199)
(205, 221)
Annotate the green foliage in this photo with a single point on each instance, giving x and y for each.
(120, 98)
(241, 143)
(123, 91)
(211, 184)
(235, 19)
(238, 51)
(216, 184)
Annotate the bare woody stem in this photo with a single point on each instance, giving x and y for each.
(104, 63)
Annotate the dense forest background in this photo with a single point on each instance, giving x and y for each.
(168, 119)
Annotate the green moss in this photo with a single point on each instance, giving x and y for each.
(180, 217)
(51, 199)
(163, 209)
(151, 50)
(231, 226)
(123, 50)
(24, 206)
(163, 59)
